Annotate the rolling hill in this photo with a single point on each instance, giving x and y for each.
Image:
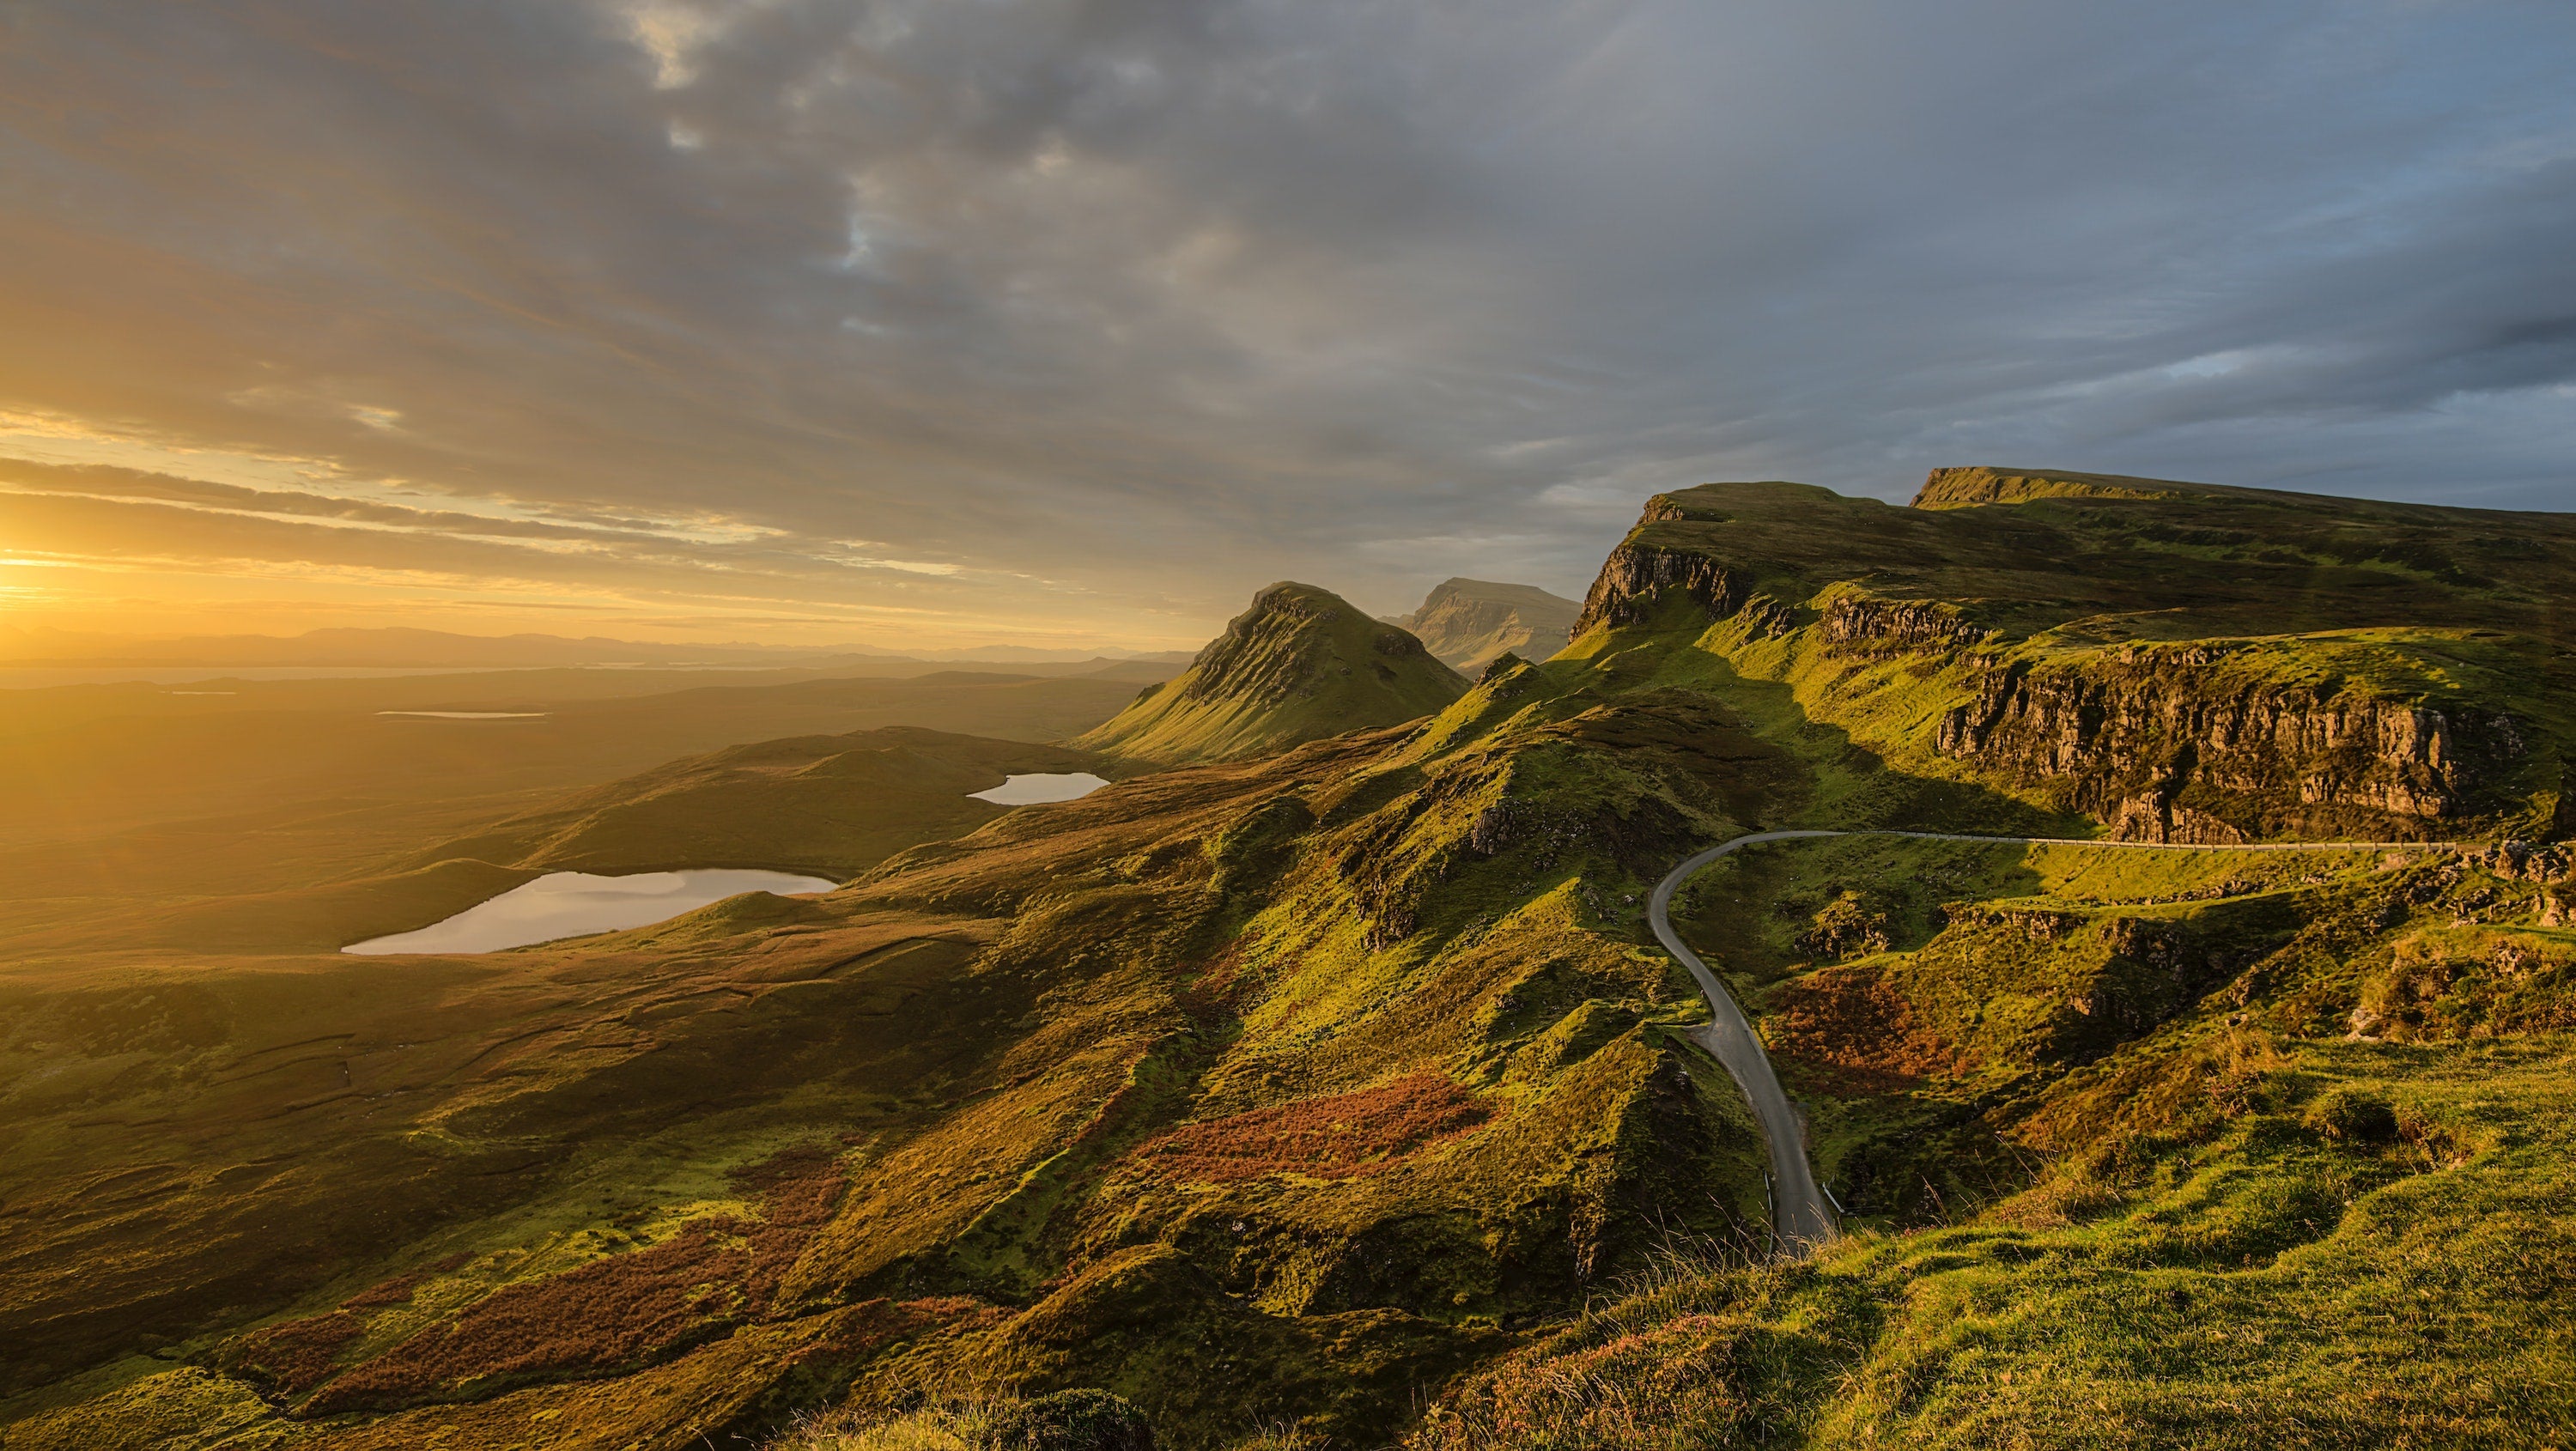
(1299, 665)
(299, 814)
(833, 805)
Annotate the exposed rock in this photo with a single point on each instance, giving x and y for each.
(1866, 624)
(2126, 745)
(1767, 618)
(1635, 576)
(1846, 927)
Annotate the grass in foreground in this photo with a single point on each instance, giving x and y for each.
(2376, 1247)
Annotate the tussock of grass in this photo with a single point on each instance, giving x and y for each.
(953, 1426)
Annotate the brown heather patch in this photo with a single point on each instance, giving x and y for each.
(617, 1312)
(1334, 1137)
(297, 1355)
(1858, 1032)
(398, 1290)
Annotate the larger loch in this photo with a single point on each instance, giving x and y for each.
(577, 904)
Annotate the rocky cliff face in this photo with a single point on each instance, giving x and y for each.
(1636, 576)
(2162, 749)
(1866, 625)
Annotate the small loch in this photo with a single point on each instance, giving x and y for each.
(1037, 790)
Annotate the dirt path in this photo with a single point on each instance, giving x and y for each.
(1801, 1216)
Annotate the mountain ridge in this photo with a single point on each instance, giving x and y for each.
(1467, 622)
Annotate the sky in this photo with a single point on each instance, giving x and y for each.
(1071, 322)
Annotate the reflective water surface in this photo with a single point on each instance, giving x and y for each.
(1037, 789)
(575, 904)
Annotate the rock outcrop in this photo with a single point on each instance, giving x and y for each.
(1865, 624)
(1634, 579)
(2172, 751)
(2183, 662)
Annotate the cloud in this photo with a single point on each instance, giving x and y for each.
(1123, 307)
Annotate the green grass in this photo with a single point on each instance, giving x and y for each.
(2261, 1286)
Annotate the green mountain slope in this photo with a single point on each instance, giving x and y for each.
(1467, 622)
(1343, 1088)
(1299, 665)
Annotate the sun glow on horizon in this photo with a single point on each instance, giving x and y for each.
(125, 530)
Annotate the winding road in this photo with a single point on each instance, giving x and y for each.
(1801, 1217)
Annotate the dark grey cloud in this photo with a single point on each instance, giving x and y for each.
(1121, 307)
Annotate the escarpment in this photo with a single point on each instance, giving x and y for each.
(2166, 752)
(1868, 625)
(2182, 663)
(1634, 580)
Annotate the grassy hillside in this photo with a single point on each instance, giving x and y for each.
(1260, 1090)
(1337, 1093)
(1299, 665)
(1467, 622)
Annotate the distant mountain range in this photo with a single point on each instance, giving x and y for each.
(398, 648)
(1467, 622)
